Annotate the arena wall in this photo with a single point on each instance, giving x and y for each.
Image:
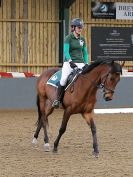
(20, 93)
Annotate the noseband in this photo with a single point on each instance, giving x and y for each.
(103, 84)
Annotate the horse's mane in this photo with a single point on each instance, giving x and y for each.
(116, 67)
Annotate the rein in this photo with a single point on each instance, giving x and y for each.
(102, 85)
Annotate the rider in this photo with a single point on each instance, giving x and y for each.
(76, 55)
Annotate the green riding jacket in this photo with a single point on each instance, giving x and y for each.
(75, 49)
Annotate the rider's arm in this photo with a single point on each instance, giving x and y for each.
(66, 51)
(67, 55)
(85, 53)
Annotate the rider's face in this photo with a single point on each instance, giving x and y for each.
(78, 29)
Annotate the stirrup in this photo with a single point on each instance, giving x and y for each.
(56, 104)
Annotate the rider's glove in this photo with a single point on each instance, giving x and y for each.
(85, 69)
(72, 65)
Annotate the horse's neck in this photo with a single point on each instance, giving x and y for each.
(97, 72)
(94, 78)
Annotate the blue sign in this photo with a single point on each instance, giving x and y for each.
(106, 10)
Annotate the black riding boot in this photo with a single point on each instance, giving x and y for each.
(60, 93)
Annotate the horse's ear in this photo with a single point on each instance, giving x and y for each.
(112, 62)
(122, 63)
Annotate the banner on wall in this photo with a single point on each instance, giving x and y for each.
(103, 10)
(115, 43)
(124, 11)
(111, 10)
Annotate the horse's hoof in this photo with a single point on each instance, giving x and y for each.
(47, 147)
(34, 141)
(55, 150)
(96, 154)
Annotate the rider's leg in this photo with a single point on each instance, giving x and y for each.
(60, 93)
(66, 70)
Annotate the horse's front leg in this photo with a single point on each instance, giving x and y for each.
(90, 122)
(94, 135)
(62, 130)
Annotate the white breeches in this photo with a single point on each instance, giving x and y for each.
(66, 70)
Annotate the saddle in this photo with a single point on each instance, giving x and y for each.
(73, 77)
(55, 79)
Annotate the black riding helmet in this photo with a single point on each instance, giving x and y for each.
(77, 22)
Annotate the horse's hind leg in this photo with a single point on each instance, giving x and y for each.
(46, 110)
(46, 138)
(62, 129)
(42, 121)
(39, 126)
(92, 125)
(39, 122)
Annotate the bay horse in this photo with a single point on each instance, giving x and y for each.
(100, 74)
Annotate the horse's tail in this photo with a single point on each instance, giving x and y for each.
(38, 108)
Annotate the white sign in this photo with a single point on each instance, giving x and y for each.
(124, 11)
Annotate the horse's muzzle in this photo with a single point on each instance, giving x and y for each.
(107, 97)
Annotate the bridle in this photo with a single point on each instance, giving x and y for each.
(103, 87)
(103, 84)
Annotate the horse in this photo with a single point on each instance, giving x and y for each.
(79, 98)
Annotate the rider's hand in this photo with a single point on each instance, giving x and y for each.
(85, 67)
(72, 65)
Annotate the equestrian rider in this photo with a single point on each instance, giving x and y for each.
(76, 55)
